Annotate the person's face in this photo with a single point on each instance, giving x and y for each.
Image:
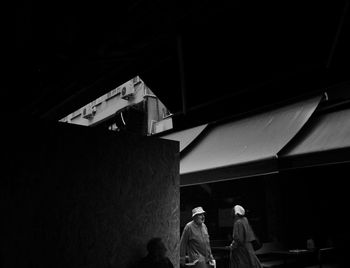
(199, 218)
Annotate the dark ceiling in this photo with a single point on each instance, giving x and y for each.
(204, 59)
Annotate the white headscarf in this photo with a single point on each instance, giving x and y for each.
(238, 210)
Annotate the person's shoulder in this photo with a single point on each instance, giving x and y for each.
(239, 221)
(205, 228)
(245, 219)
(189, 224)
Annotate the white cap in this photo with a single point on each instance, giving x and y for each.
(239, 210)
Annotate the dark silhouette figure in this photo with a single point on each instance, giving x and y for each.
(156, 257)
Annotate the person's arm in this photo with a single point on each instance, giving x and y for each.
(212, 261)
(210, 254)
(209, 247)
(211, 257)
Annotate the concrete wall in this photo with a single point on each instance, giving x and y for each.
(76, 197)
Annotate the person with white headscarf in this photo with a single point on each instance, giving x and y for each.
(242, 254)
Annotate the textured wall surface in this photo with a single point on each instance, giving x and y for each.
(78, 197)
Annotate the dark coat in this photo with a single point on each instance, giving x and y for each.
(150, 262)
(242, 254)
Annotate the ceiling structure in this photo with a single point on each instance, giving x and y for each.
(204, 59)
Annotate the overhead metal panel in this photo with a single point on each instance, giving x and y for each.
(245, 147)
(325, 141)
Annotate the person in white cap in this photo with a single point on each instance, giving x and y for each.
(242, 254)
(195, 242)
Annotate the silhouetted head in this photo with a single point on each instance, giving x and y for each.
(156, 247)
